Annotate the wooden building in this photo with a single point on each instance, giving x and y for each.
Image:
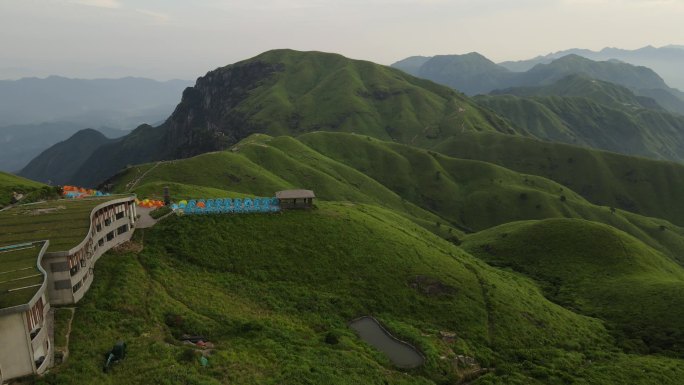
(295, 199)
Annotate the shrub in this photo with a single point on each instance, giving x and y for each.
(160, 212)
(188, 355)
(332, 338)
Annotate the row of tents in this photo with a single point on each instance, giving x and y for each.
(149, 203)
(227, 205)
(74, 192)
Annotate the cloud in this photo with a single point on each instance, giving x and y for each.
(158, 17)
(98, 3)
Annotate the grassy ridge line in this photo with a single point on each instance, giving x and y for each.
(10, 183)
(259, 167)
(603, 178)
(584, 122)
(331, 92)
(478, 195)
(598, 271)
(471, 195)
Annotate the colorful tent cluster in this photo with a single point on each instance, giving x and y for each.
(74, 192)
(227, 205)
(149, 203)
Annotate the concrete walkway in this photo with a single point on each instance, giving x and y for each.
(145, 221)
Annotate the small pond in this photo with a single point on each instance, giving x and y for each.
(400, 353)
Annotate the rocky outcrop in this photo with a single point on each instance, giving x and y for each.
(207, 119)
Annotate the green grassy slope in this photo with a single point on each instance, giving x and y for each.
(433, 190)
(261, 165)
(269, 290)
(320, 91)
(538, 119)
(10, 183)
(598, 271)
(476, 195)
(648, 187)
(579, 85)
(591, 113)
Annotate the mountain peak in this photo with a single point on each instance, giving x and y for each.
(87, 133)
(284, 91)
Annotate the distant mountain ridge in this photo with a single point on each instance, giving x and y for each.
(599, 91)
(118, 103)
(666, 61)
(19, 144)
(38, 113)
(475, 74)
(471, 73)
(54, 165)
(582, 111)
(291, 92)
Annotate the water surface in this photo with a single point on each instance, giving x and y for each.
(400, 353)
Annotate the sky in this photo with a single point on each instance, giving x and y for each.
(167, 39)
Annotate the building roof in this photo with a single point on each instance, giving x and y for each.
(292, 194)
(65, 222)
(20, 278)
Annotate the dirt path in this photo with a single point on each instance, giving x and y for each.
(132, 184)
(487, 303)
(65, 349)
(68, 333)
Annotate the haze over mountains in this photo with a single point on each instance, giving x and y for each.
(667, 61)
(37, 113)
(475, 74)
(19, 144)
(607, 105)
(115, 103)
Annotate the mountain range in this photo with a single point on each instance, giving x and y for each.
(19, 144)
(666, 61)
(608, 105)
(475, 74)
(118, 103)
(592, 113)
(495, 234)
(38, 113)
(284, 91)
(289, 92)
